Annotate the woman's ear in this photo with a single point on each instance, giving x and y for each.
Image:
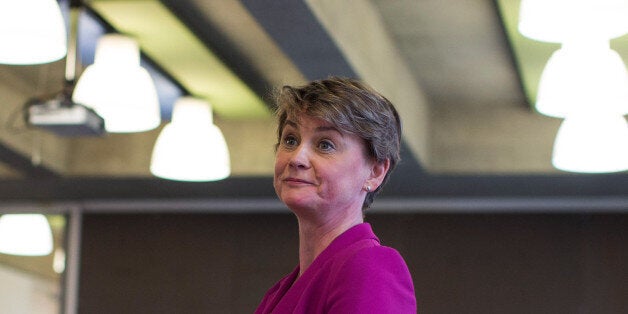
(378, 173)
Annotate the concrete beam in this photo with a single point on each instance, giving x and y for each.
(359, 32)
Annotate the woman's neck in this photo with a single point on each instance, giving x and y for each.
(315, 237)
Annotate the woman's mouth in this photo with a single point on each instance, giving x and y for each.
(297, 181)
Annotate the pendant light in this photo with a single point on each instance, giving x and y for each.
(25, 234)
(584, 82)
(118, 88)
(31, 32)
(592, 143)
(191, 147)
(583, 74)
(557, 21)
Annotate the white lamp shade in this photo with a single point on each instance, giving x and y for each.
(118, 88)
(31, 32)
(577, 79)
(25, 234)
(191, 147)
(592, 143)
(558, 21)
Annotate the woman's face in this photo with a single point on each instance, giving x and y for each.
(318, 168)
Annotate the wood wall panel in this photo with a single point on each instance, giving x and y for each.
(197, 263)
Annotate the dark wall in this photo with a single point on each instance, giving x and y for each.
(514, 263)
(204, 263)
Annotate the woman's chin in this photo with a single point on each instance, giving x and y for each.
(298, 203)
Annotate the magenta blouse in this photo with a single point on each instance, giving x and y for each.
(354, 274)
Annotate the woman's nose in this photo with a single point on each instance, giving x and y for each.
(300, 157)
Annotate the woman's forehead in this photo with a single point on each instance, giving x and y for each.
(299, 119)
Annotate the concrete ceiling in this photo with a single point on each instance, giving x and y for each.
(447, 65)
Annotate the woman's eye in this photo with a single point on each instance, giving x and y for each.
(290, 141)
(325, 145)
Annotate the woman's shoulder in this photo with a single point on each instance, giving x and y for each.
(370, 263)
(374, 278)
(377, 259)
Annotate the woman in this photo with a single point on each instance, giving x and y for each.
(338, 142)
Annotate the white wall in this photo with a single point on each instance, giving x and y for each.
(22, 293)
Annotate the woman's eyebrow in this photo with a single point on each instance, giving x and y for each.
(323, 128)
(329, 128)
(290, 123)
